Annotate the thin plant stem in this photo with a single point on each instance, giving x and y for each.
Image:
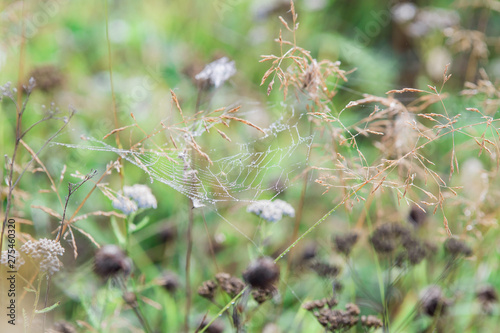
(189, 237)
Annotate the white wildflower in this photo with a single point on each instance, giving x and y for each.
(135, 197)
(217, 72)
(271, 211)
(142, 195)
(16, 262)
(45, 252)
(124, 204)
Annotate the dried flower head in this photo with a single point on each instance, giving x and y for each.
(44, 252)
(217, 72)
(262, 273)
(433, 301)
(456, 247)
(170, 281)
(18, 260)
(417, 216)
(487, 296)
(271, 211)
(324, 269)
(262, 295)
(313, 305)
(344, 243)
(47, 77)
(386, 237)
(371, 321)
(207, 289)
(230, 284)
(334, 320)
(352, 309)
(110, 261)
(415, 250)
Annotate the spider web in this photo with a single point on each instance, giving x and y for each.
(248, 175)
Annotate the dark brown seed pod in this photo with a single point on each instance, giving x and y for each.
(110, 261)
(262, 273)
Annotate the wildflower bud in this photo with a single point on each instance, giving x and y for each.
(110, 261)
(262, 273)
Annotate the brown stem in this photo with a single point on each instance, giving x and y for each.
(189, 236)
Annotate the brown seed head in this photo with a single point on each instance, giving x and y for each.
(207, 289)
(262, 273)
(344, 243)
(110, 260)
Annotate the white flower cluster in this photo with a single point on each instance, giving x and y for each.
(134, 197)
(45, 252)
(18, 260)
(271, 211)
(217, 72)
